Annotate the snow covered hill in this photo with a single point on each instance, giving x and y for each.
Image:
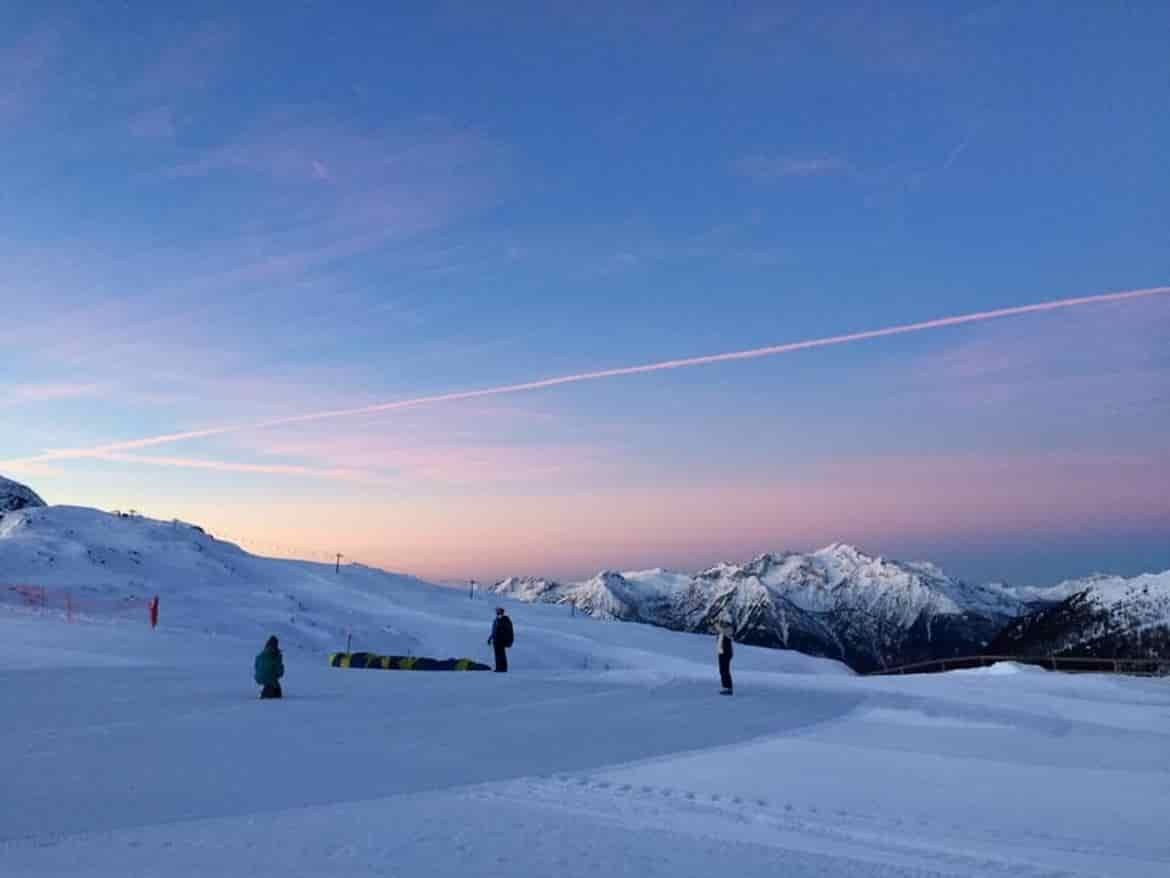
(838, 602)
(1105, 616)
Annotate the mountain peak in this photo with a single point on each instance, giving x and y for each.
(846, 551)
(14, 496)
(609, 576)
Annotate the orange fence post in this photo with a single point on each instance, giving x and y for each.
(154, 612)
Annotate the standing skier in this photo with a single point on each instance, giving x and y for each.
(725, 651)
(501, 639)
(269, 668)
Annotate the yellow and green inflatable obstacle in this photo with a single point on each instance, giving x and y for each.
(401, 662)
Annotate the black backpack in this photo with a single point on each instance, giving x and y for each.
(506, 636)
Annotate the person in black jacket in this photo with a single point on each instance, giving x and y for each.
(725, 651)
(501, 639)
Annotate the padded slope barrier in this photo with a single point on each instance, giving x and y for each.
(401, 662)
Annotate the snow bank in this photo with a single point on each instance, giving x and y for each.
(1002, 669)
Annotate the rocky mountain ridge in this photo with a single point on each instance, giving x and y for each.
(15, 496)
(838, 602)
(843, 603)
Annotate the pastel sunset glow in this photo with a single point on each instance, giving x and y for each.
(474, 291)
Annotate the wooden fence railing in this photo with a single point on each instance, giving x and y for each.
(1142, 667)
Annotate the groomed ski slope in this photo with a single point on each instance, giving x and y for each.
(127, 752)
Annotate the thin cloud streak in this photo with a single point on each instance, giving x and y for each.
(27, 393)
(541, 384)
(227, 466)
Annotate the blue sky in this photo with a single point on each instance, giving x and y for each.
(220, 215)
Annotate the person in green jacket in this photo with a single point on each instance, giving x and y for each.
(269, 669)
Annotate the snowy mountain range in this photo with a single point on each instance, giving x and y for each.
(1105, 616)
(867, 611)
(838, 602)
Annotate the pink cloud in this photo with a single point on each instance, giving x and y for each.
(874, 501)
(941, 495)
(436, 461)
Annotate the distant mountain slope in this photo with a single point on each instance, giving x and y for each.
(1105, 616)
(14, 496)
(105, 560)
(837, 602)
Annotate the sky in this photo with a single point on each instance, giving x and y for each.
(226, 215)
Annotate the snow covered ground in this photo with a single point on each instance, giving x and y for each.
(127, 752)
(131, 752)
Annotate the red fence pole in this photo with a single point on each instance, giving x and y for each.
(154, 612)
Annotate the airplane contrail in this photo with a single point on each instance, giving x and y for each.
(540, 384)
